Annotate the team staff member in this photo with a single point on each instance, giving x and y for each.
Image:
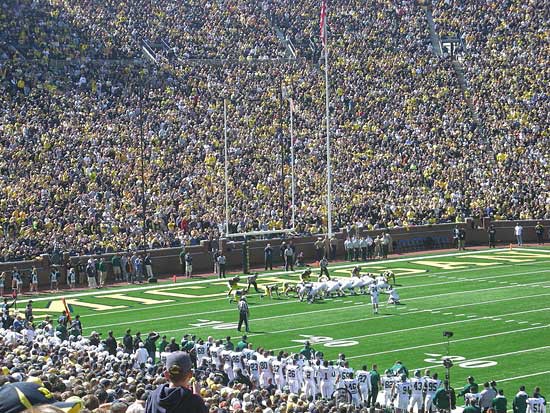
(176, 397)
(375, 386)
(268, 257)
(492, 236)
(539, 230)
(244, 314)
(445, 398)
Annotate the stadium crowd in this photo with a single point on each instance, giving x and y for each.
(405, 149)
(59, 364)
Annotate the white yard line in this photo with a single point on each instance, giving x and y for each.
(523, 377)
(455, 341)
(492, 356)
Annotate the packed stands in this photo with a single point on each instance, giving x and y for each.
(77, 108)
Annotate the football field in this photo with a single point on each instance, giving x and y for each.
(496, 303)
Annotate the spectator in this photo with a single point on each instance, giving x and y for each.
(176, 397)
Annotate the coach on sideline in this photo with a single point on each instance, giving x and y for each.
(175, 397)
(244, 313)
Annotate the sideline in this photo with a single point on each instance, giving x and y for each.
(270, 274)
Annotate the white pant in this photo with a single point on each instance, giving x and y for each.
(294, 386)
(279, 381)
(149, 269)
(416, 400)
(310, 389)
(229, 371)
(327, 388)
(402, 403)
(428, 401)
(364, 393)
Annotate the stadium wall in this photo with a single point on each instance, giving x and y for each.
(418, 238)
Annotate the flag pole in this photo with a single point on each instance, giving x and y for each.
(293, 184)
(226, 167)
(329, 169)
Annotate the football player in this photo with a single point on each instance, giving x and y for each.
(430, 387)
(536, 404)
(353, 387)
(292, 377)
(417, 387)
(401, 394)
(252, 281)
(365, 386)
(393, 296)
(278, 366)
(374, 293)
(254, 370)
(326, 383)
(387, 385)
(232, 284)
(310, 388)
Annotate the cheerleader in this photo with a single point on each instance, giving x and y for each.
(34, 280)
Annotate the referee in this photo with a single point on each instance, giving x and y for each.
(244, 313)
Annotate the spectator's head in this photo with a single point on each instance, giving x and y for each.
(179, 368)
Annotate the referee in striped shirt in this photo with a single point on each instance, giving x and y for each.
(244, 313)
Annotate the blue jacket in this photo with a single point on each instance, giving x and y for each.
(166, 399)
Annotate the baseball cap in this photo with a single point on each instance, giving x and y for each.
(18, 397)
(178, 363)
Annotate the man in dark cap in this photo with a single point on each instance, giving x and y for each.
(175, 397)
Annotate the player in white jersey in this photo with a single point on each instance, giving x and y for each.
(292, 377)
(401, 392)
(353, 387)
(278, 372)
(325, 381)
(310, 388)
(215, 351)
(318, 290)
(374, 293)
(266, 374)
(393, 296)
(358, 284)
(200, 350)
(225, 355)
(237, 360)
(430, 388)
(417, 387)
(382, 282)
(346, 284)
(536, 404)
(247, 353)
(363, 378)
(346, 371)
(387, 385)
(254, 370)
(333, 287)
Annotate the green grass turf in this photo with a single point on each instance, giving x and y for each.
(500, 316)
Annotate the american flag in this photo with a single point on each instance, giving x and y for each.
(323, 23)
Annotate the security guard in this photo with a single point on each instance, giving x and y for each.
(244, 313)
